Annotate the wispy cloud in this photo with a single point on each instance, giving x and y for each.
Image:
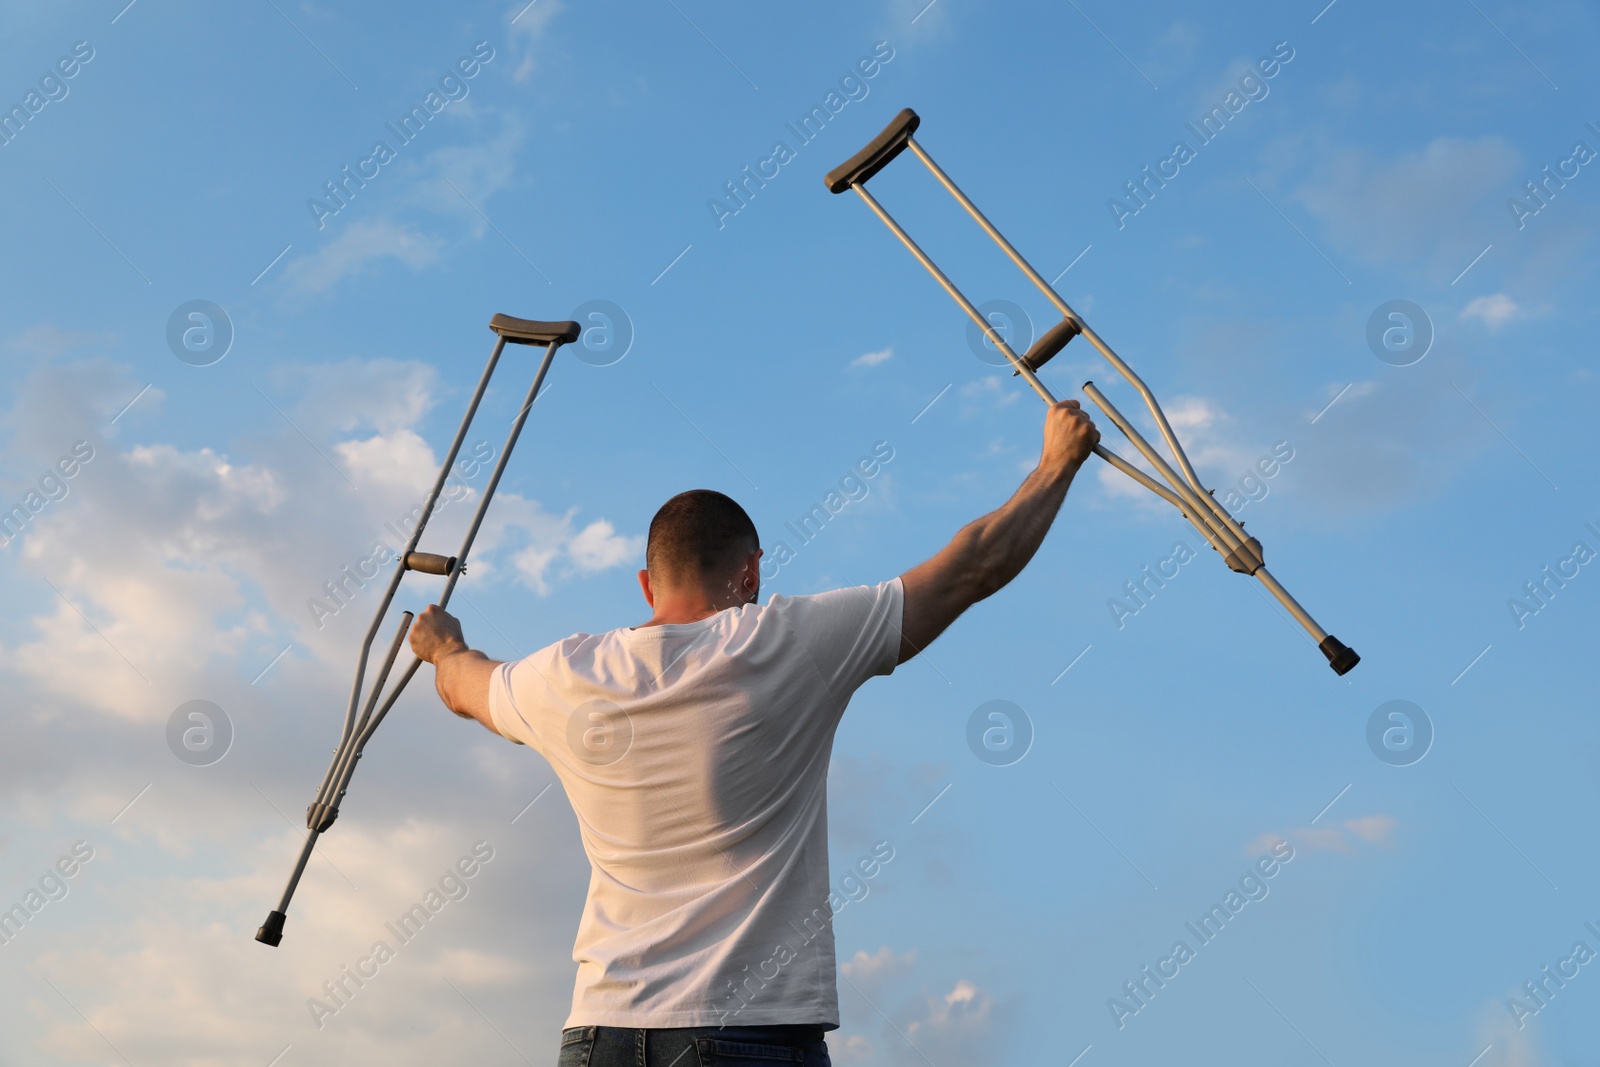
(529, 19)
(1341, 837)
(1409, 206)
(1493, 311)
(872, 359)
(355, 251)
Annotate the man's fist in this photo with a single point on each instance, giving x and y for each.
(436, 633)
(1069, 437)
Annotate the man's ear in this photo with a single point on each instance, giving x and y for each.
(644, 587)
(752, 576)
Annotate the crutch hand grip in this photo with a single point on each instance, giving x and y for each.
(877, 155)
(430, 563)
(1046, 347)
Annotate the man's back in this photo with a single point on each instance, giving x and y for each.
(695, 752)
(695, 756)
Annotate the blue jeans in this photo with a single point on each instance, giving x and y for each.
(707, 1046)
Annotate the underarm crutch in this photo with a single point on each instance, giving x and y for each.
(1241, 551)
(358, 730)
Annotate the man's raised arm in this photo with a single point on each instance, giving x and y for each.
(461, 674)
(991, 551)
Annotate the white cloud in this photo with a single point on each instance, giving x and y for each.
(878, 968)
(387, 395)
(1173, 52)
(599, 547)
(470, 967)
(177, 569)
(1409, 206)
(529, 21)
(453, 180)
(461, 179)
(1493, 311)
(1228, 82)
(988, 394)
(1372, 829)
(960, 1025)
(1514, 1046)
(1200, 424)
(196, 562)
(1375, 828)
(872, 359)
(1388, 445)
(46, 341)
(544, 547)
(185, 984)
(401, 460)
(355, 250)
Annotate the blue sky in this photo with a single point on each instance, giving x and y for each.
(772, 348)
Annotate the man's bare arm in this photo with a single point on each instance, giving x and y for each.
(986, 554)
(461, 674)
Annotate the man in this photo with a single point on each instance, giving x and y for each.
(694, 749)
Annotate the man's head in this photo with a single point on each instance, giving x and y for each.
(702, 546)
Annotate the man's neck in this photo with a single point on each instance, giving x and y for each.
(688, 608)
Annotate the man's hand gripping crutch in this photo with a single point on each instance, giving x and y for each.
(1183, 491)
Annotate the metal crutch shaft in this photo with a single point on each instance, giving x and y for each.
(1244, 560)
(1244, 556)
(394, 582)
(1027, 373)
(1089, 335)
(324, 812)
(365, 733)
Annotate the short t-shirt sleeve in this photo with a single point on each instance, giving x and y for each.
(505, 708)
(852, 634)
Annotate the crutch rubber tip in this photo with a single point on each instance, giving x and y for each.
(1341, 657)
(271, 932)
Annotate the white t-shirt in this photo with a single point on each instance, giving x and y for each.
(696, 757)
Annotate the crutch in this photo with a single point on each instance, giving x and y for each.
(358, 730)
(1241, 552)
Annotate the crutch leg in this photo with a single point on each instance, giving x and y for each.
(1242, 555)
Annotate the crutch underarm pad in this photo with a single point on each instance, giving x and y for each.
(1053, 341)
(429, 563)
(1341, 657)
(534, 332)
(877, 155)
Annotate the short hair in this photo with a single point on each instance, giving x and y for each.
(698, 534)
